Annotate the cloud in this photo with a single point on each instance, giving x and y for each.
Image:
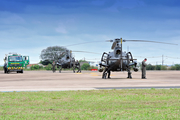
(61, 29)
(9, 18)
(66, 24)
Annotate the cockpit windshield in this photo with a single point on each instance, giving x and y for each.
(118, 52)
(15, 58)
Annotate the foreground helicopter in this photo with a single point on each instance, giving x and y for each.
(119, 60)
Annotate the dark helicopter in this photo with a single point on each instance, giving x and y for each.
(68, 62)
(119, 60)
(61, 57)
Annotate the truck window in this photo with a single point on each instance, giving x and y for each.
(25, 58)
(15, 58)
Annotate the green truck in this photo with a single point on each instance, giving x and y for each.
(14, 62)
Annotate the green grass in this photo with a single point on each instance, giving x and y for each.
(142, 104)
(1, 68)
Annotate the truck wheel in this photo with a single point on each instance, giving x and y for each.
(7, 71)
(21, 71)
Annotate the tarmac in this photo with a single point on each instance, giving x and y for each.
(87, 80)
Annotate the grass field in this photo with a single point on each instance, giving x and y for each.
(96, 104)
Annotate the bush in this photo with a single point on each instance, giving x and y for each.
(36, 67)
(158, 67)
(48, 67)
(85, 66)
(163, 67)
(175, 67)
(1, 67)
(150, 67)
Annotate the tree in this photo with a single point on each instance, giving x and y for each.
(85, 66)
(82, 61)
(175, 67)
(45, 62)
(158, 67)
(53, 53)
(150, 67)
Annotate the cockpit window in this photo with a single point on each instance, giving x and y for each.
(118, 52)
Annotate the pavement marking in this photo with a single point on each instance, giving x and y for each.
(94, 74)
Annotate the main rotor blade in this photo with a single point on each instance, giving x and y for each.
(85, 52)
(148, 41)
(87, 43)
(109, 40)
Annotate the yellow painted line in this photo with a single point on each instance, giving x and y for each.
(78, 73)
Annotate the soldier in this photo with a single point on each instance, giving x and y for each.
(144, 69)
(106, 71)
(77, 65)
(129, 73)
(53, 66)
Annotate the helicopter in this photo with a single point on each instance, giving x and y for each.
(68, 62)
(119, 60)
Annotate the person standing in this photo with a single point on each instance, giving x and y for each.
(144, 69)
(53, 66)
(77, 65)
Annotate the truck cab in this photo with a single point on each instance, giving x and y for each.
(15, 63)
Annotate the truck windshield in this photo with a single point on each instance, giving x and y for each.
(15, 58)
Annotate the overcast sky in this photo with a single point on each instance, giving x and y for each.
(29, 26)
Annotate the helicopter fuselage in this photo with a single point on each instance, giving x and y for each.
(113, 62)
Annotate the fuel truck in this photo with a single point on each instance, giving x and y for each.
(14, 62)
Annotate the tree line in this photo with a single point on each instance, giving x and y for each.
(162, 67)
